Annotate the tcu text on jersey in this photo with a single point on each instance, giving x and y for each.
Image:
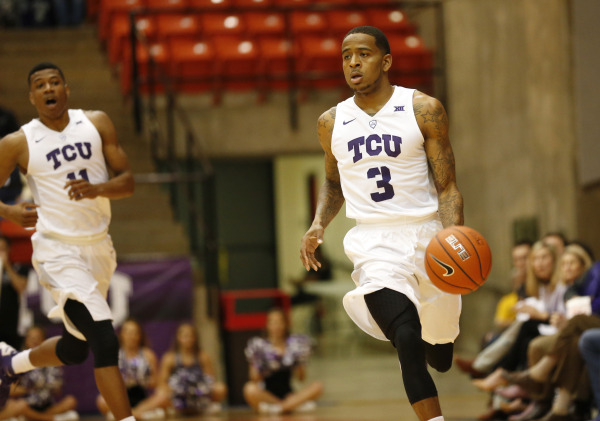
(69, 153)
(374, 145)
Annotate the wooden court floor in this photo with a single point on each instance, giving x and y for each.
(367, 388)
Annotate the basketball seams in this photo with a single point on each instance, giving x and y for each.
(455, 262)
(444, 281)
(476, 252)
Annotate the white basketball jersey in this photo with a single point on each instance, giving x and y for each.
(381, 161)
(55, 158)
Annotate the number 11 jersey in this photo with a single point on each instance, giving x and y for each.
(56, 157)
(381, 160)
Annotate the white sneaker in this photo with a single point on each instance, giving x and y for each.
(307, 406)
(153, 414)
(269, 408)
(213, 408)
(67, 416)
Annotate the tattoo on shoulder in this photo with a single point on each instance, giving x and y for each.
(327, 120)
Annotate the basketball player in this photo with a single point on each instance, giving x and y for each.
(66, 155)
(388, 155)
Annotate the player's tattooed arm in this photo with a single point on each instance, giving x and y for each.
(433, 122)
(330, 198)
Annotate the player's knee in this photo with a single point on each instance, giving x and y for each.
(70, 350)
(405, 335)
(104, 344)
(439, 356)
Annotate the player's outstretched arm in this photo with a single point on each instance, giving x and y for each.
(433, 122)
(14, 152)
(119, 186)
(330, 198)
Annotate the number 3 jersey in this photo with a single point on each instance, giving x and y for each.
(381, 160)
(56, 157)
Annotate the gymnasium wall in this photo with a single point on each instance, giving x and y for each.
(512, 125)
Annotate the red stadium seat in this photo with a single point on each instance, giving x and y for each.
(303, 22)
(320, 62)
(222, 24)
(293, 3)
(237, 62)
(275, 63)
(110, 8)
(263, 23)
(211, 4)
(166, 4)
(413, 63)
(192, 65)
(119, 35)
(390, 21)
(341, 21)
(180, 25)
(160, 57)
(252, 3)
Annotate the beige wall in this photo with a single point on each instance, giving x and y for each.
(510, 101)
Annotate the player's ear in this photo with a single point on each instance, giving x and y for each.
(67, 90)
(31, 98)
(387, 62)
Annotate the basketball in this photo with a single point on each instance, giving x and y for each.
(458, 260)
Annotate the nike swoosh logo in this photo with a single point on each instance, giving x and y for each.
(40, 139)
(350, 121)
(449, 269)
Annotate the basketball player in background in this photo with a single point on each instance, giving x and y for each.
(66, 155)
(388, 155)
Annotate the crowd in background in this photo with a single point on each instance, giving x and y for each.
(41, 13)
(535, 362)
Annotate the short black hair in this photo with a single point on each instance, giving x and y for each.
(381, 40)
(43, 66)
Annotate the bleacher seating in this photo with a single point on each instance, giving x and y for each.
(216, 45)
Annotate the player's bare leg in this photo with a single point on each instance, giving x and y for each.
(111, 387)
(427, 409)
(44, 355)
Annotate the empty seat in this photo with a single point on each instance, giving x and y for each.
(263, 23)
(160, 57)
(275, 64)
(320, 62)
(390, 21)
(166, 4)
(237, 62)
(303, 22)
(221, 24)
(120, 31)
(109, 9)
(341, 21)
(410, 53)
(176, 25)
(252, 3)
(293, 3)
(211, 4)
(192, 65)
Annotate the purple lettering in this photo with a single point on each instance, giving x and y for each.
(52, 155)
(388, 147)
(373, 139)
(68, 151)
(355, 144)
(88, 146)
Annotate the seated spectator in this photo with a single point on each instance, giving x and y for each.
(187, 383)
(37, 395)
(13, 282)
(589, 346)
(274, 360)
(544, 296)
(139, 368)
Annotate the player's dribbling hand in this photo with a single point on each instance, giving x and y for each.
(311, 240)
(81, 189)
(24, 214)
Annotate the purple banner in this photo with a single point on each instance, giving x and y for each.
(159, 294)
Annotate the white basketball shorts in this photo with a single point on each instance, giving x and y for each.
(79, 272)
(392, 255)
